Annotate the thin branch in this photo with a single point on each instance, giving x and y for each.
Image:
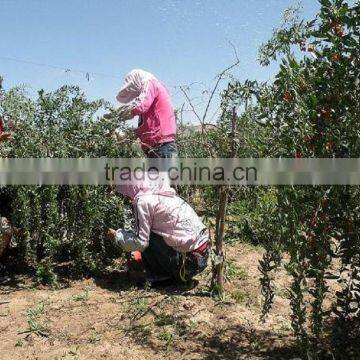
(181, 114)
(190, 102)
(234, 49)
(233, 132)
(219, 78)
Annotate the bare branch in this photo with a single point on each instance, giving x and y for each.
(190, 102)
(235, 51)
(219, 77)
(211, 125)
(181, 114)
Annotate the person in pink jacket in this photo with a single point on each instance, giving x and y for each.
(144, 95)
(173, 240)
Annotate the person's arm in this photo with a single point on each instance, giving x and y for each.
(122, 113)
(139, 106)
(137, 240)
(146, 98)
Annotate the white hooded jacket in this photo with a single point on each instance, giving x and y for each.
(158, 209)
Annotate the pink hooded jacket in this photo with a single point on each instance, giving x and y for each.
(158, 209)
(149, 99)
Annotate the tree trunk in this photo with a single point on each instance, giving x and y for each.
(218, 266)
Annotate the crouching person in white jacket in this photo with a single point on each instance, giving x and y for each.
(173, 241)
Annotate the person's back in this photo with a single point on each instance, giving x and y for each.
(173, 219)
(157, 123)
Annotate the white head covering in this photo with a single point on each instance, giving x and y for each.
(135, 82)
(142, 183)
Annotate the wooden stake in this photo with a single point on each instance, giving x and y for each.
(218, 270)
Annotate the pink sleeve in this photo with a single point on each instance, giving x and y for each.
(145, 99)
(143, 218)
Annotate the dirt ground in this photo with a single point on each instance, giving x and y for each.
(108, 318)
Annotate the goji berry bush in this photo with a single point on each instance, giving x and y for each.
(60, 224)
(310, 110)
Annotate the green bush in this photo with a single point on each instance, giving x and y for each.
(310, 110)
(60, 224)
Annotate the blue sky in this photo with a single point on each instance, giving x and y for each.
(180, 41)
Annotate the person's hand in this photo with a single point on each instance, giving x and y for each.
(111, 234)
(112, 116)
(4, 136)
(124, 112)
